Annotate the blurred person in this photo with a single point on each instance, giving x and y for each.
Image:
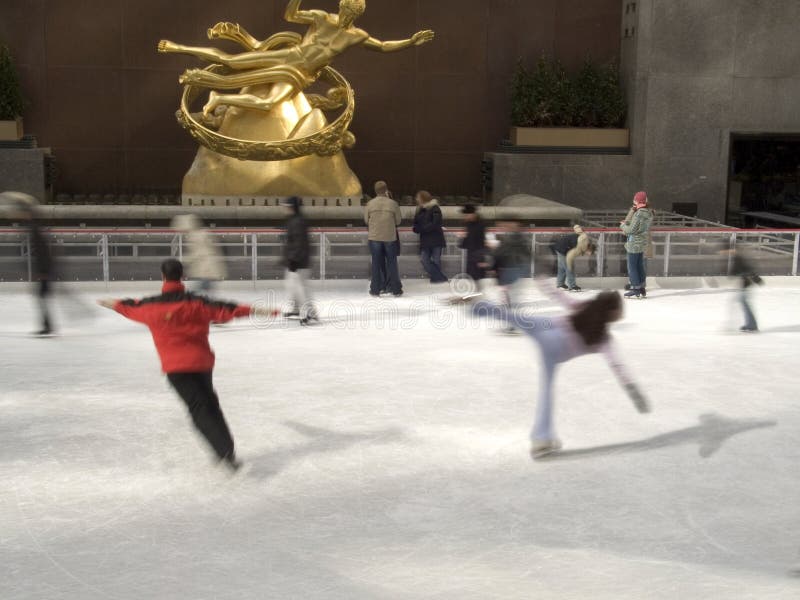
(637, 228)
(560, 339)
(204, 262)
(567, 248)
(23, 207)
(382, 217)
(179, 321)
(744, 271)
(511, 258)
(473, 240)
(296, 259)
(428, 224)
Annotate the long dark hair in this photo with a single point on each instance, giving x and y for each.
(591, 320)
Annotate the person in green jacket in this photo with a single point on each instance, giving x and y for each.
(637, 229)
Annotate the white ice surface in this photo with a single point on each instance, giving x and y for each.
(389, 459)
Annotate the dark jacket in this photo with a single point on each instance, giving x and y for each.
(741, 268)
(42, 259)
(428, 224)
(178, 322)
(565, 243)
(513, 252)
(475, 238)
(297, 250)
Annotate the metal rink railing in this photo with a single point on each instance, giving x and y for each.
(253, 255)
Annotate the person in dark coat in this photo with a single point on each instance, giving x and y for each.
(473, 240)
(179, 322)
(296, 259)
(42, 264)
(512, 257)
(428, 224)
(744, 271)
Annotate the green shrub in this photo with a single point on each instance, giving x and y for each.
(549, 97)
(11, 102)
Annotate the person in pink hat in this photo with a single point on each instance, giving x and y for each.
(637, 228)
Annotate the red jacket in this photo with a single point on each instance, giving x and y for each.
(179, 321)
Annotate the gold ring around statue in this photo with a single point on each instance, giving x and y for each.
(326, 142)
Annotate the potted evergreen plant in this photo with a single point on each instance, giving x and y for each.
(11, 102)
(551, 109)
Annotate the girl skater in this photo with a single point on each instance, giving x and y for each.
(562, 338)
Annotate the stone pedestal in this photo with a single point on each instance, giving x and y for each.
(25, 170)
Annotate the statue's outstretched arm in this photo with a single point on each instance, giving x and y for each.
(419, 38)
(293, 13)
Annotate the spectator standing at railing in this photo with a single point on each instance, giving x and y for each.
(382, 216)
(637, 230)
(428, 223)
(297, 259)
(204, 261)
(567, 248)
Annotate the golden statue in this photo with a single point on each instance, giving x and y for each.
(271, 119)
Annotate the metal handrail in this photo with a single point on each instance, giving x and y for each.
(130, 252)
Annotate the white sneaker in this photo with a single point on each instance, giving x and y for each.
(540, 448)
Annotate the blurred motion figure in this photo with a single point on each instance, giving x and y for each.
(204, 262)
(560, 339)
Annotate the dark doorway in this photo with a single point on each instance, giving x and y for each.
(764, 181)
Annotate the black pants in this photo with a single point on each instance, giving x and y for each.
(43, 294)
(197, 391)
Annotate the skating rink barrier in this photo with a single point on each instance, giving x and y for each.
(255, 254)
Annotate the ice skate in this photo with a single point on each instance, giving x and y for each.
(541, 448)
(575, 288)
(634, 293)
(234, 467)
(510, 331)
(465, 299)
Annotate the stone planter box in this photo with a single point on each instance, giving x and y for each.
(570, 137)
(11, 130)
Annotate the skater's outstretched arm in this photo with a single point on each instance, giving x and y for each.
(222, 312)
(130, 309)
(609, 352)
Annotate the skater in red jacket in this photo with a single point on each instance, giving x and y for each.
(179, 322)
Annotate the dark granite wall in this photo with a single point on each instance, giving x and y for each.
(104, 100)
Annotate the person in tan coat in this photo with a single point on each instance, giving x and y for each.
(382, 216)
(567, 248)
(205, 262)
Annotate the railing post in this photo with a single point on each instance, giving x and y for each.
(533, 254)
(667, 250)
(254, 257)
(323, 240)
(731, 246)
(601, 254)
(796, 252)
(104, 252)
